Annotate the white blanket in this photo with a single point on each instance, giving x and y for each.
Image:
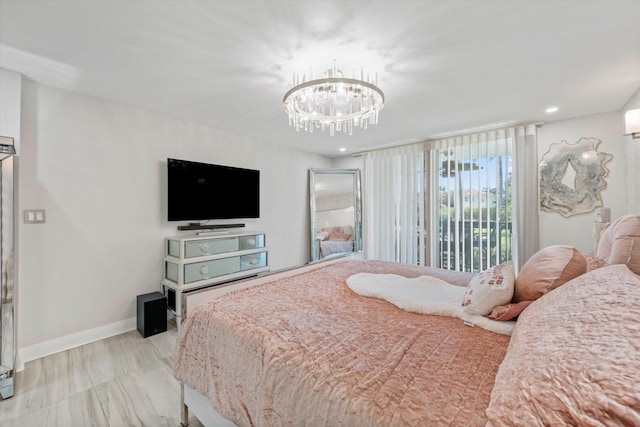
(423, 295)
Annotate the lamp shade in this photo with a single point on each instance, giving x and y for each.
(632, 123)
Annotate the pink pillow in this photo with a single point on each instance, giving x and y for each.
(620, 243)
(546, 270)
(339, 237)
(488, 289)
(508, 311)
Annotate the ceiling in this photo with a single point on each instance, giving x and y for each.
(444, 66)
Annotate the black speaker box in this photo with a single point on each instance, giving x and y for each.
(152, 314)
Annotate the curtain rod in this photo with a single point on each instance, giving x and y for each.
(443, 135)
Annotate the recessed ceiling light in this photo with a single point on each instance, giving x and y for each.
(343, 149)
(551, 109)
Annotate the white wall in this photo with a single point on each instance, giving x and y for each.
(577, 230)
(10, 92)
(349, 162)
(99, 170)
(632, 147)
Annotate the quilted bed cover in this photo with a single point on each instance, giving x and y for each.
(306, 350)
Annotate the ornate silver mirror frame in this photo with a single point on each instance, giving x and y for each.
(336, 212)
(7, 329)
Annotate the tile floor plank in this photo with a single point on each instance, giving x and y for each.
(109, 358)
(125, 380)
(147, 396)
(81, 409)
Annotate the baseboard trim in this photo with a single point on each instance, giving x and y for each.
(56, 345)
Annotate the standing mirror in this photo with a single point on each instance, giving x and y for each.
(336, 212)
(7, 336)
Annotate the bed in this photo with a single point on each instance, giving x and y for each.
(335, 240)
(301, 348)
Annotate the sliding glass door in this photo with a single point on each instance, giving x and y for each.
(472, 204)
(449, 202)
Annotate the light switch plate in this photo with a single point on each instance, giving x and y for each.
(34, 216)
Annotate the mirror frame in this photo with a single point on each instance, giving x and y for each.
(7, 277)
(357, 204)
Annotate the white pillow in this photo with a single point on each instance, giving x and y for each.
(489, 289)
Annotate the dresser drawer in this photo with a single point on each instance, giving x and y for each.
(199, 248)
(208, 269)
(257, 260)
(171, 271)
(251, 242)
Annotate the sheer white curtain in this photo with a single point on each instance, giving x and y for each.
(526, 229)
(467, 202)
(394, 198)
(484, 198)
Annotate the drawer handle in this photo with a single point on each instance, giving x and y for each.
(252, 242)
(204, 247)
(204, 269)
(253, 261)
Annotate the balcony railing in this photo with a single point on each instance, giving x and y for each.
(474, 245)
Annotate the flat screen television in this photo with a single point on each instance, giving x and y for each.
(203, 191)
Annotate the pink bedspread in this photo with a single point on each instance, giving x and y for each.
(574, 358)
(306, 350)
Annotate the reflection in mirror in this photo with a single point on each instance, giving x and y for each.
(336, 214)
(7, 336)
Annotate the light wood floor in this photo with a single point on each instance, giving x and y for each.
(124, 380)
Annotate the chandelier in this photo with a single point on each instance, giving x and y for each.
(333, 102)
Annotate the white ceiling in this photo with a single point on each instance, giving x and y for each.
(445, 66)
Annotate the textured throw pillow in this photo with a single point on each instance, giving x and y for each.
(620, 243)
(546, 270)
(594, 263)
(508, 311)
(488, 289)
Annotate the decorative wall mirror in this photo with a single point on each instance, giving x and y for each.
(7, 335)
(336, 212)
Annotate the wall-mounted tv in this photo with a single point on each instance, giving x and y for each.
(203, 191)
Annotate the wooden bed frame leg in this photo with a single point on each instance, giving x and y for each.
(184, 411)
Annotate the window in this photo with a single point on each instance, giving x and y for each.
(473, 209)
(462, 203)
